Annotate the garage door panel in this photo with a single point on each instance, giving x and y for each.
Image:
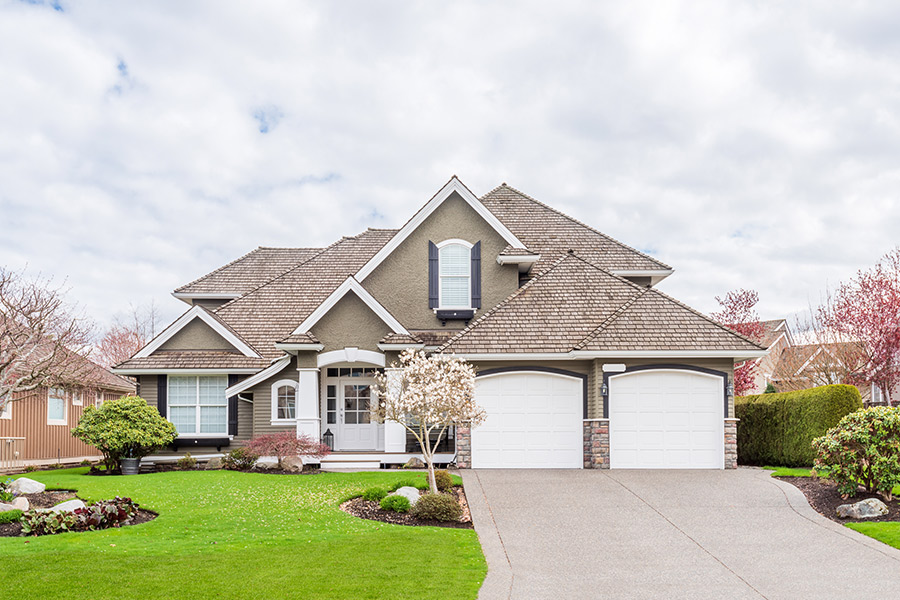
(534, 421)
(666, 419)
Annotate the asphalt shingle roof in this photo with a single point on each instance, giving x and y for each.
(194, 359)
(249, 271)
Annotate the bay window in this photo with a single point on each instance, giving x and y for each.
(197, 404)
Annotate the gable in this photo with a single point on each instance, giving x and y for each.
(400, 282)
(197, 335)
(350, 323)
(186, 320)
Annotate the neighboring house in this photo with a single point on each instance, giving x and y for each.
(35, 428)
(776, 337)
(581, 362)
(811, 365)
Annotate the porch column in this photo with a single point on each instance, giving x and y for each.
(394, 433)
(308, 420)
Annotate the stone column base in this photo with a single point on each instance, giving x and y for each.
(596, 444)
(731, 456)
(463, 447)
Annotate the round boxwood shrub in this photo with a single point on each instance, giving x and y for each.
(444, 480)
(437, 507)
(124, 428)
(864, 449)
(395, 503)
(374, 494)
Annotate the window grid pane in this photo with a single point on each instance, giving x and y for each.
(184, 418)
(212, 390)
(455, 291)
(182, 391)
(287, 402)
(455, 260)
(56, 408)
(213, 419)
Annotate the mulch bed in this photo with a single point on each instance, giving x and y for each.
(823, 496)
(368, 509)
(50, 499)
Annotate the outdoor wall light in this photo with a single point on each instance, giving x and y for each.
(604, 389)
(328, 439)
(729, 389)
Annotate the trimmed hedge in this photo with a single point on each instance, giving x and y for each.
(778, 429)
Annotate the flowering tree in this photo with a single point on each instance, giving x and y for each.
(428, 395)
(126, 337)
(867, 310)
(39, 337)
(287, 443)
(739, 315)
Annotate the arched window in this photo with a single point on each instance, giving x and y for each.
(455, 273)
(284, 401)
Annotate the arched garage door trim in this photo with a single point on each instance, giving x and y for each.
(551, 370)
(665, 367)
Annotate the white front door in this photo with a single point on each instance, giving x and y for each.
(666, 419)
(356, 429)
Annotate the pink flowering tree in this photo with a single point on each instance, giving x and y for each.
(428, 395)
(286, 444)
(738, 313)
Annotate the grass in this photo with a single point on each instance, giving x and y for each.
(886, 532)
(225, 534)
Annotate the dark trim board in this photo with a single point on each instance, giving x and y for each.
(553, 370)
(669, 367)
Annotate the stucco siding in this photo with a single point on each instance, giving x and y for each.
(197, 335)
(350, 323)
(400, 283)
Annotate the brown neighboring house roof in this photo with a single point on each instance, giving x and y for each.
(249, 271)
(772, 330)
(194, 359)
(576, 305)
(101, 377)
(272, 311)
(550, 233)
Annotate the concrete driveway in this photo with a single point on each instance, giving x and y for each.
(666, 534)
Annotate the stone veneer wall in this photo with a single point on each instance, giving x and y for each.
(464, 447)
(731, 443)
(596, 444)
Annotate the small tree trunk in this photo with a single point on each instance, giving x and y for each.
(432, 482)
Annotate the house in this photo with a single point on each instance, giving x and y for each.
(811, 365)
(35, 428)
(582, 362)
(776, 337)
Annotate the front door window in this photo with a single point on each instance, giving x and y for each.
(357, 429)
(356, 404)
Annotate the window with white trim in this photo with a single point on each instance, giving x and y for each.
(98, 401)
(284, 400)
(455, 274)
(197, 404)
(56, 406)
(76, 398)
(6, 413)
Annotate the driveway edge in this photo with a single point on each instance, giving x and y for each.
(498, 582)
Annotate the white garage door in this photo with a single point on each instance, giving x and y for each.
(534, 422)
(666, 419)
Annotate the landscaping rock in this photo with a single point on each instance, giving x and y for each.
(414, 463)
(67, 506)
(23, 485)
(21, 504)
(864, 509)
(408, 492)
(294, 464)
(6, 507)
(214, 464)
(265, 466)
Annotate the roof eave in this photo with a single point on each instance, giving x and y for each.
(655, 275)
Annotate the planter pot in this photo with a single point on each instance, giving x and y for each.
(131, 466)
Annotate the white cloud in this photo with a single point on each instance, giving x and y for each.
(747, 144)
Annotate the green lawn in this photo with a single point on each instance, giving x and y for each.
(224, 534)
(887, 532)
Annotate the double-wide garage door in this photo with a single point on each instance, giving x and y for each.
(658, 419)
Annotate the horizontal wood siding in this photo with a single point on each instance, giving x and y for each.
(43, 441)
(262, 401)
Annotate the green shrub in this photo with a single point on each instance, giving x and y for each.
(770, 389)
(124, 428)
(395, 503)
(10, 516)
(47, 523)
(778, 429)
(444, 480)
(864, 449)
(186, 463)
(409, 483)
(374, 494)
(30, 468)
(437, 507)
(85, 463)
(240, 459)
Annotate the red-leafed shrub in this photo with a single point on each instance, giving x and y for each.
(285, 444)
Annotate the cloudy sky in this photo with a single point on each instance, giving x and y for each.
(747, 144)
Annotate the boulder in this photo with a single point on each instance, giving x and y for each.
(213, 464)
(23, 485)
(265, 466)
(67, 506)
(408, 492)
(864, 509)
(294, 464)
(414, 463)
(6, 507)
(21, 503)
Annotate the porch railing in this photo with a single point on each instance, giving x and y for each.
(12, 449)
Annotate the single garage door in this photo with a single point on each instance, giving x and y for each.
(534, 421)
(666, 419)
